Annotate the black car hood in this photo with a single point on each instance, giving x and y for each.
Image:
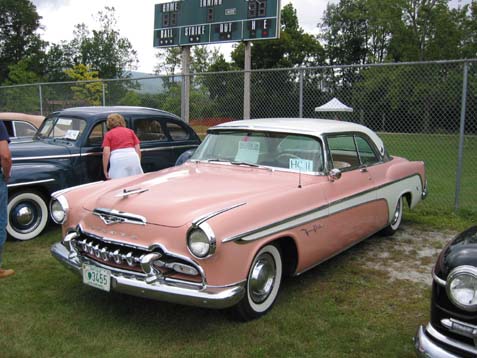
(462, 250)
(38, 148)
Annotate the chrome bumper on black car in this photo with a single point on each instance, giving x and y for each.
(430, 343)
(163, 289)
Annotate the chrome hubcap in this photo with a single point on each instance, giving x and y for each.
(397, 213)
(24, 217)
(262, 278)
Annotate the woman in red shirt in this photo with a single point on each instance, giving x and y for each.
(120, 149)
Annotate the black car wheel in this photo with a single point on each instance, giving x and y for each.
(27, 215)
(263, 283)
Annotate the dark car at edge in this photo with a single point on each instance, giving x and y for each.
(452, 330)
(66, 151)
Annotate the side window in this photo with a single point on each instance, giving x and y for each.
(343, 151)
(176, 131)
(366, 152)
(24, 129)
(9, 126)
(149, 129)
(96, 136)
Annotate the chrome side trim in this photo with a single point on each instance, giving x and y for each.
(111, 216)
(30, 183)
(62, 156)
(169, 148)
(164, 289)
(311, 215)
(204, 218)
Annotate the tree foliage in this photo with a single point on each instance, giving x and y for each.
(19, 41)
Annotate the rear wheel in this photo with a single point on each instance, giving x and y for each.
(396, 219)
(263, 283)
(27, 215)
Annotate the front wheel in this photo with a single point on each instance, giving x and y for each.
(396, 219)
(263, 283)
(27, 215)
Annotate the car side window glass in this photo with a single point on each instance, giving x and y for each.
(366, 152)
(24, 129)
(149, 129)
(176, 131)
(343, 152)
(97, 134)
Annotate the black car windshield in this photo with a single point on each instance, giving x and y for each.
(61, 128)
(260, 148)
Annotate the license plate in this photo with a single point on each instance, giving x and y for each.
(97, 277)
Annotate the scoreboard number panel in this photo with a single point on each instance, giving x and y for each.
(199, 22)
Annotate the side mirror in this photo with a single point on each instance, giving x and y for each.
(334, 174)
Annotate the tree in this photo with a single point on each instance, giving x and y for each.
(89, 93)
(293, 48)
(19, 22)
(103, 50)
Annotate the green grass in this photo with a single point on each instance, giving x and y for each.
(340, 309)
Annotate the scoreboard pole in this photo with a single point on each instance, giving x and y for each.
(185, 93)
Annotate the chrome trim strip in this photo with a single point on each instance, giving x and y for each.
(302, 219)
(438, 280)
(30, 183)
(63, 156)
(169, 147)
(125, 193)
(204, 218)
(181, 292)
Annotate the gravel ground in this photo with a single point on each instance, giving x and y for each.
(410, 254)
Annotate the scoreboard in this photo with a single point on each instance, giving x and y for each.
(199, 22)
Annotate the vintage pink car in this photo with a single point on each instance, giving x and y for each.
(258, 200)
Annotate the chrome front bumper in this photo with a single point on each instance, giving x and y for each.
(426, 346)
(216, 297)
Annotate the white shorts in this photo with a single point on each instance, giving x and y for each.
(124, 162)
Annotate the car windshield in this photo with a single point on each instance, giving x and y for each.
(62, 128)
(259, 148)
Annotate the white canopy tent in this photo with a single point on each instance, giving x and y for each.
(335, 105)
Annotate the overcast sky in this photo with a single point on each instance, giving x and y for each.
(136, 21)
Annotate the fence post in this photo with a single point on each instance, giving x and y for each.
(246, 83)
(461, 138)
(41, 99)
(104, 93)
(301, 93)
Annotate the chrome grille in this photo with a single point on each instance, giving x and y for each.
(128, 257)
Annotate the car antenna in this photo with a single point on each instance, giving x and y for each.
(299, 178)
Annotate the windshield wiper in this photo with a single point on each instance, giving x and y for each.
(217, 160)
(244, 163)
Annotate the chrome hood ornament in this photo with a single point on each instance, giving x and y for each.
(111, 216)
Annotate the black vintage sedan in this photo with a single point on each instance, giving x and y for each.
(66, 151)
(452, 331)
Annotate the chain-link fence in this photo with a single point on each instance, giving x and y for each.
(423, 111)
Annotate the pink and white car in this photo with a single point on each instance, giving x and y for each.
(258, 200)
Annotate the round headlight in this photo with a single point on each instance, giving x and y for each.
(462, 287)
(59, 209)
(201, 241)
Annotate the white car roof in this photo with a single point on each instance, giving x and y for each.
(310, 126)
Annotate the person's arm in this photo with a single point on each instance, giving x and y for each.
(137, 147)
(106, 155)
(5, 159)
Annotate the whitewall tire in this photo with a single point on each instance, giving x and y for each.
(396, 219)
(27, 215)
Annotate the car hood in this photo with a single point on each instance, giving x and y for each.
(462, 250)
(37, 148)
(176, 196)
